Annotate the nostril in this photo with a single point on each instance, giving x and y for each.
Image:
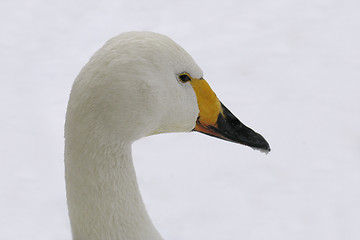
(234, 122)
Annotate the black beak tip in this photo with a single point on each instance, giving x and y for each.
(236, 131)
(254, 140)
(263, 147)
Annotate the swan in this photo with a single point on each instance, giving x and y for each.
(138, 84)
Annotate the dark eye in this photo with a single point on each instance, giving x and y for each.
(184, 77)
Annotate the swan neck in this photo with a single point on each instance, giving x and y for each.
(103, 196)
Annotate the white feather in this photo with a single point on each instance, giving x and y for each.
(128, 90)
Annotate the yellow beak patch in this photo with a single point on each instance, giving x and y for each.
(208, 103)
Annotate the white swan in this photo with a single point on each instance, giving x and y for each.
(136, 85)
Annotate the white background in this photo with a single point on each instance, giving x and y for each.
(288, 69)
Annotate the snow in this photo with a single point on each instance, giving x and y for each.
(288, 69)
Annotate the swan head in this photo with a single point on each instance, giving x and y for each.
(142, 83)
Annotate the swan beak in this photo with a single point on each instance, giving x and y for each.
(216, 120)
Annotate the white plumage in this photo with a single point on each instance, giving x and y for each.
(129, 89)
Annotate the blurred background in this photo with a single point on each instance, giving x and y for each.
(288, 69)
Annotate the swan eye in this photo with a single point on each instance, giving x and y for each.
(184, 77)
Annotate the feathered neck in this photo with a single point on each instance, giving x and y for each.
(102, 192)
